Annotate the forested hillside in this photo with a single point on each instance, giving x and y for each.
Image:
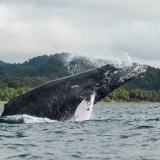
(16, 79)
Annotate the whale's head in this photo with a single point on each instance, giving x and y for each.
(113, 77)
(128, 73)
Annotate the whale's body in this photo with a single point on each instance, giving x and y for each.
(62, 98)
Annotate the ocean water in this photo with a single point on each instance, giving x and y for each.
(115, 132)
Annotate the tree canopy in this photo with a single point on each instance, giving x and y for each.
(16, 79)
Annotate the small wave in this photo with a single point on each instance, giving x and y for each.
(154, 119)
(128, 136)
(144, 127)
(105, 120)
(20, 119)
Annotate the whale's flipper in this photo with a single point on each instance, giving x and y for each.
(84, 109)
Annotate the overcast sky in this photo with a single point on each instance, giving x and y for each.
(122, 29)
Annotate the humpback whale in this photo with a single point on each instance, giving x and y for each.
(72, 96)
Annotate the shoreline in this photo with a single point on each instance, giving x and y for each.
(144, 102)
(3, 102)
(140, 102)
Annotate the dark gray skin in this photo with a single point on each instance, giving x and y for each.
(59, 99)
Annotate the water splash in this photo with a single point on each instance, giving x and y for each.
(20, 119)
(77, 63)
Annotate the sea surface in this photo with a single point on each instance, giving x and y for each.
(128, 131)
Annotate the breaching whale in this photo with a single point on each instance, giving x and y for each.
(73, 95)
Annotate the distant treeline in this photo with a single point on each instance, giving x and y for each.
(119, 95)
(133, 95)
(16, 79)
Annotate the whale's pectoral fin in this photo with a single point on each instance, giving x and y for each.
(84, 109)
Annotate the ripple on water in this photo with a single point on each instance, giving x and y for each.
(154, 119)
(144, 127)
(116, 131)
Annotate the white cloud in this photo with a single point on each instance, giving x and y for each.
(30, 28)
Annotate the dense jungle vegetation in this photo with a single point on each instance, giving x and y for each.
(16, 79)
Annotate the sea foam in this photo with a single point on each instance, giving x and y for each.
(19, 119)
